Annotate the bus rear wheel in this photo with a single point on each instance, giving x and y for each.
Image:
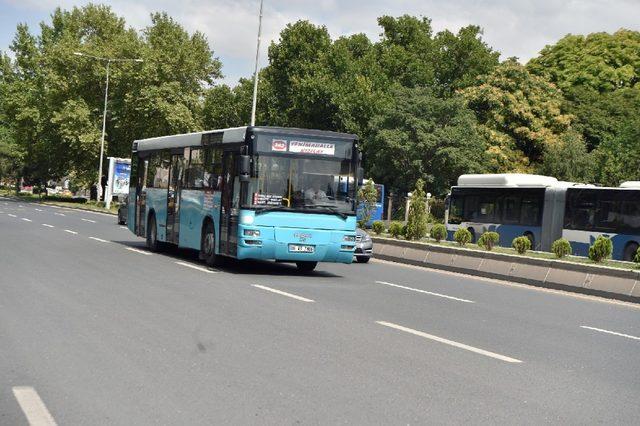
(306, 266)
(630, 252)
(208, 245)
(152, 234)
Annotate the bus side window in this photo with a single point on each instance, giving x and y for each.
(213, 168)
(195, 171)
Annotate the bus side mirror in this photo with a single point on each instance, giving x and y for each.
(244, 168)
(360, 176)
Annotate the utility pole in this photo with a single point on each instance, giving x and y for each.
(104, 113)
(255, 72)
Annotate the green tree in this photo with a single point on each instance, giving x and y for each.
(417, 218)
(367, 197)
(568, 159)
(618, 157)
(519, 114)
(600, 61)
(421, 136)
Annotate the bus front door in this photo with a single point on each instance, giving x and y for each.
(230, 206)
(173, 198)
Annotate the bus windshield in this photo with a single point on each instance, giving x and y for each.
(303, 184)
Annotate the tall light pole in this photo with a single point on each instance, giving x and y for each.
(104, 113)
(255, 72)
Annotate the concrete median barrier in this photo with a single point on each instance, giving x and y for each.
(557, 274)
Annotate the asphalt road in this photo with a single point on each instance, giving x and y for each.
(96, 330)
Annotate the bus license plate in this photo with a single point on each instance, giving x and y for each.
(299, 248)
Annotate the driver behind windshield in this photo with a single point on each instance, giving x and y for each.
(314, 194)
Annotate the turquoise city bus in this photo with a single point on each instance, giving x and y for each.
(248, 193)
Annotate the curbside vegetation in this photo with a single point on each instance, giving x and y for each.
(489, 240)
(561, 248)
(521, 244)
(462, 236)
(601, 249)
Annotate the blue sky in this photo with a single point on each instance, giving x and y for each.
(514, 27)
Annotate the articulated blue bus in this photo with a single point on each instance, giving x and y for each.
(544, 210)
(248, 193)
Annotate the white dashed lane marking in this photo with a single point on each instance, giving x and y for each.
(88, 220)
(628, 336)
(12, 215)
(197, 268)
(32, 406)
(425, 292)
(135, 250)
(283, 293)
(99, 239)
(26, 220)
(47, 225)
(59, 214)
(449, 342)
(70, 231)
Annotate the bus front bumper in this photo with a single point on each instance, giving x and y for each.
(287, 244)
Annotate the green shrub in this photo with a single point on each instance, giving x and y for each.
(637, 258)
(417, 217)
(378, 227)
(395, 229)
(561, 248)
(601, 249)
(362, 224)
(521, 244)
(462, 236)
(488, 240)
(439, 232)
(62, 198)
(403, 231)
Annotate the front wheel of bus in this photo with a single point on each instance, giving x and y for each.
(207, 246)
(630, 252)
(306, 266)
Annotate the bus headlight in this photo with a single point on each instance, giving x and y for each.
(349, 238)
(251, 233)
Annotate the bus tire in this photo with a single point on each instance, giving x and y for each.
(473, 235)
(152, 234)
(630, 252)
(306, 266)
(532, 239)
(208, 245)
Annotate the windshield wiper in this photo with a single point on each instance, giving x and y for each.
(269, 209)
(332, 209)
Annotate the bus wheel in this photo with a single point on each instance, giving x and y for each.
(306, 266)
(208, 246)
(152, 234)
(532, 239)
(630, 252)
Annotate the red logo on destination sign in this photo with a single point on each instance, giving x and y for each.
(278, 145)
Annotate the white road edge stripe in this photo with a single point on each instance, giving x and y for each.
(71, 232)
(47, 225)
(425, 292)
(628, 336)
(139, 251)
(449, 342)
(88, 220)
(283, 293)
(198, 268)
(32, 406)
(99, 239)
(26, 220)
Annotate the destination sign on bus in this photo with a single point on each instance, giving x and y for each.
(303, 147)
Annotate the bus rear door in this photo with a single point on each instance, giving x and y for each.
(230, 205)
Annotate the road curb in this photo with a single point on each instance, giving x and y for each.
(596, 280)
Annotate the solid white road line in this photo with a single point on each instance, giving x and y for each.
(628, 336)
(47, 225)
(88, 220)
(198, 268)
(59, 214)
(139, 251)
(71, 232)
(283, 293)
(425, 292)
(32, 406)
(124, 227)
(99, 239)
(26, 220)
(12, 215)
(449, 342)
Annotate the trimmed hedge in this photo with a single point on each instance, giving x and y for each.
(378, 227)
(439, 232)
(395, 229)
(561, 248)
(61, 198)
(601, 249)
(521, 244)
(462, 236)
(488, 240)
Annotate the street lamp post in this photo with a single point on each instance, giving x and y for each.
(255, 72)
(104, 113)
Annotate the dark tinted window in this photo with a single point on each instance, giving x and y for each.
(615, 211)
(158, 170)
